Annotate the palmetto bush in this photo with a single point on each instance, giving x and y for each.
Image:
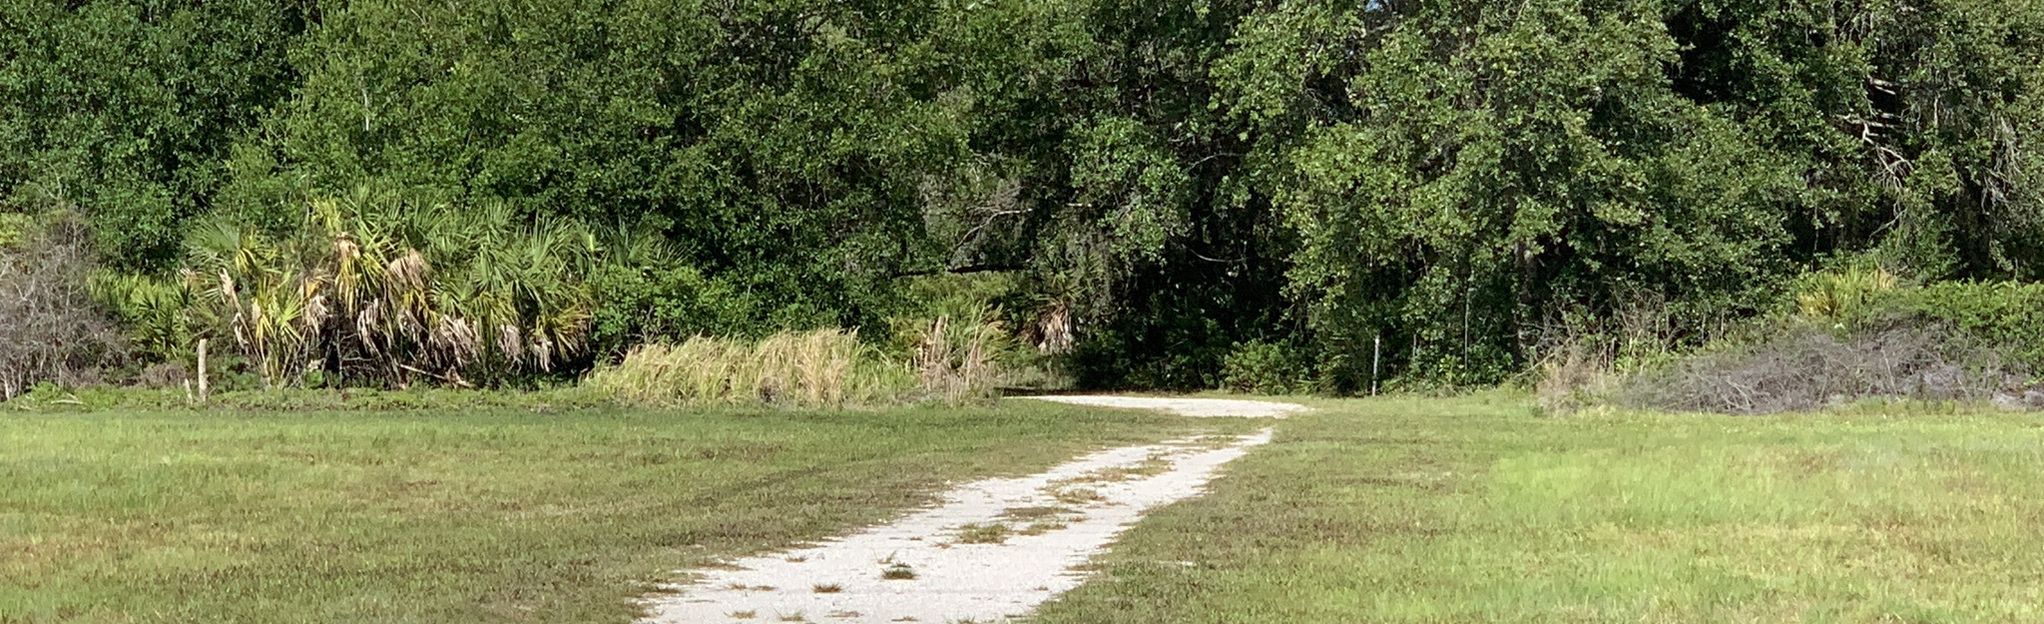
(379, 288)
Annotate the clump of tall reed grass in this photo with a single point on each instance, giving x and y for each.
(820, 368)
(957, 360)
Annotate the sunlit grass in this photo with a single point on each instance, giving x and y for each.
(464, 516)
(1478, 510)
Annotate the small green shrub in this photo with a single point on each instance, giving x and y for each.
(14, 228)
(1843, 294)
(152, 311)
(644, 293)
(2007, 315)
(1266, 368)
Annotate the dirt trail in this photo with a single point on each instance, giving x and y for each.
(1184, 406)
(991, 550)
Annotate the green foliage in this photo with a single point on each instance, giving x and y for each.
(647, 302)
(388, 288)
(14, 229)
(779, 149)
(2008, 316)
(123, 109)
(1842, 294)
(153, 311)
(1266, 368)
(1156, 181)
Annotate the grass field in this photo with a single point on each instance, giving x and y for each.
(1477, 510)
(445, 517)
(1396, 510)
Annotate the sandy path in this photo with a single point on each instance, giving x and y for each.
(1184, 406)
(962, 568)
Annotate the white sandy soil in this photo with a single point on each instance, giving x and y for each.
(1049, 524)
(1185, 406)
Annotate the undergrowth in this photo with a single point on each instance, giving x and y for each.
(1841, 337)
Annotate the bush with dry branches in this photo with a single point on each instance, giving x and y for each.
(49, 328)
(1806, 367)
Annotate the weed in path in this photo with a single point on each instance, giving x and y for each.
(898, 572)
(993, 533)
(1077, 495)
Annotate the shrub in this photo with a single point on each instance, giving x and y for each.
(646, 292)
(822, 368)
(153, 312)
(1803, 367)
(1264, 367)
(1843, 294)
(2006, 315)
(1580, 357)
(1576, 374)
(50, 331)
(393, 289)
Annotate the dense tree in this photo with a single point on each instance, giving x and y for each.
(1175, 182)
(126, 109)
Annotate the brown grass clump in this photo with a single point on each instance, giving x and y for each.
(822, 368)
(1573, 376)
(956, 360)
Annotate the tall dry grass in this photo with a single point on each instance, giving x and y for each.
(822, 368)
(957, 361)
(1581, 359)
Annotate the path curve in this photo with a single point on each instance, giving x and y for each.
(950, 563)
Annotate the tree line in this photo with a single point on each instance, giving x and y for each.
(1339, 189)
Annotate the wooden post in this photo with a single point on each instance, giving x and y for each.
(1376, 360)
(202, 371)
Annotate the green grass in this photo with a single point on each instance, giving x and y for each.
(1473, 509)
(485, 515)
(1479, 510)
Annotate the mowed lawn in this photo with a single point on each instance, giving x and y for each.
(449, 517)
(1395, 510)
(1479, 510)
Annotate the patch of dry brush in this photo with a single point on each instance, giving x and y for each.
(49, 328)
(1808, 367)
